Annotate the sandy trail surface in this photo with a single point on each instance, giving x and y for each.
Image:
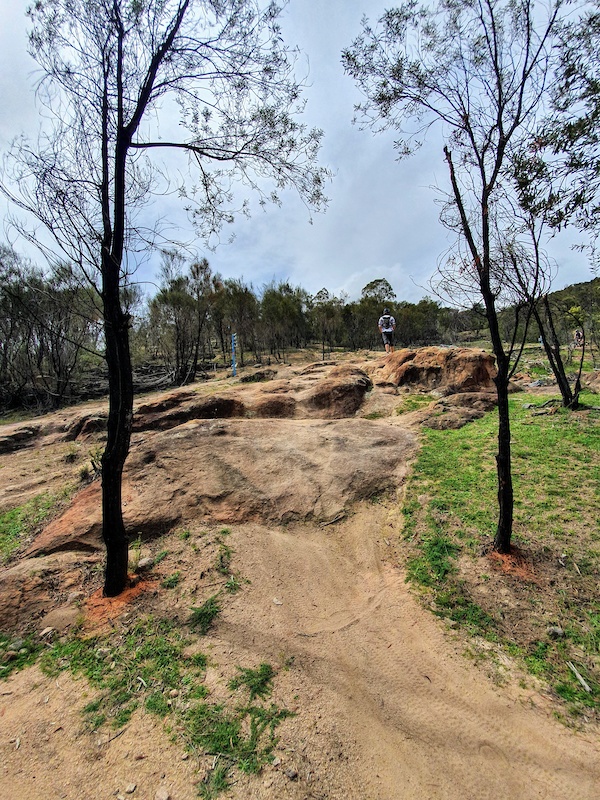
(387, 707)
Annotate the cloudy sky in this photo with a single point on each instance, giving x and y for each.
(382, 221)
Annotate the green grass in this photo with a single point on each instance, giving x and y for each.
(450, 517)
(414, 402)
(17, 652)
(203, 616)
(259, 682)
(223, 562)
(172, 581)
(19, 523)
(146, 667)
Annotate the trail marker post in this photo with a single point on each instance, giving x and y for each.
(233, 344)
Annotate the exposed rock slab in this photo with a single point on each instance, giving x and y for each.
(447, 370)
(241, 470)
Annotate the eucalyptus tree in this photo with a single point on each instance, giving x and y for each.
(47, 323)
(284, 322)
(115, 76)
(481, 69)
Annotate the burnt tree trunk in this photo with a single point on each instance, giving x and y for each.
(503, 463)
(120, 417)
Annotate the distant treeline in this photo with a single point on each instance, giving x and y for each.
(51, 335)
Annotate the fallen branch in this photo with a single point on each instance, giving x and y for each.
(579, 677)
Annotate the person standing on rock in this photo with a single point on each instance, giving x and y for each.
(387, 326)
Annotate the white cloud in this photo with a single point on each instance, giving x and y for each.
(382, 220)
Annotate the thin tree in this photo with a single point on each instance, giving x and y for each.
(115, 74)
(480, 68)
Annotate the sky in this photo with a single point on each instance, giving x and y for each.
(382, 219)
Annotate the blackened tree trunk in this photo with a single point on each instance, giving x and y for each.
(503, 464)
(120, 416)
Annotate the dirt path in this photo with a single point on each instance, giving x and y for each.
(386, 706)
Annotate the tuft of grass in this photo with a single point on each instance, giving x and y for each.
(172, 581)
(215, 782)
(160, 556)
(243, 738)
(223, 562)
(233, 584)
(203, 616)
(259, 682)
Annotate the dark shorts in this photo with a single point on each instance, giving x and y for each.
(388, 338)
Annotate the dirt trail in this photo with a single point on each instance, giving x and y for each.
(386, 706)
(421, 721)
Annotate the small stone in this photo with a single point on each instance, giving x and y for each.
(145, 563)
(174, 693)
(162, 794)
(291, 773)
(47, 632)
(10, 655)
(131, 788)
(276, 761)
(23, 651)
(555, 632)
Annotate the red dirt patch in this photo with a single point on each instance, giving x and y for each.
(99, 610)
(515, 563)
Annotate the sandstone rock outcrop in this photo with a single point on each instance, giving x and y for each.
(447, 370)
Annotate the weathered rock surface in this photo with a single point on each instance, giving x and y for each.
(447, 370)
(240, 470)
(29, 588)
(340, 394)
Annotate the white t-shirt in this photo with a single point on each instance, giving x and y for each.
(387, 323)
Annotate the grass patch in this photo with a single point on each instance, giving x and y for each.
(259, 682)
(450, 517)
(172, 581)
(136, 667)
(203, 616)
(146, 667)
(17, 652)
(435, 561)
(19, 523)
(414, 402)
(223, 562)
